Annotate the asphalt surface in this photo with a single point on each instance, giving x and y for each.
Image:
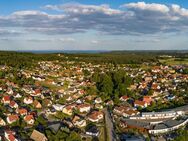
(109, 126)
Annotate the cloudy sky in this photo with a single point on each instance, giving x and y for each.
(93, 25)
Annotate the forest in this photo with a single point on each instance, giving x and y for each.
(25, 59)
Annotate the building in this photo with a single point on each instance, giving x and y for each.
(37, 136)
(29, 119)
(141, 104)
(95, 116)
(12, 118)
(92, 131)
(168, 126)
(84, 108)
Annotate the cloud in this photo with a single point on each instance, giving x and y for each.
(75, 8)
(131, 19)
(6, 32)
(146, 40)
(150, 7)
(180, 11)
(64, 40)
(94, 42)
(67, 39)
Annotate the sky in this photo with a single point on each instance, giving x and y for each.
(93, 25)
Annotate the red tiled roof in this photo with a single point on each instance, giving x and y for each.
(12, 103)
(28, 117)
(83, 106)
(124, 97)
(22, 111)
(13, 117)
(94, 115)
(138, 102)
(11, 137)
(6, 98)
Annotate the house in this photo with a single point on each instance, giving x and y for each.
(139, 103)
(38, 136)
(92, 131)
(125, 111)
(13, 104)
(98, 100)
(16, 95)
(143, 85)
(110, 103)
(28, 100)
(124, 98)
(58, 107)
(22, 111)
(6, 99)
(37, 104)
(29, 119)
(98, 106)
(47, 102)
(147, 99)
(37, 92)
(95, 116)
(12, 118)
(77, 121)
(155, 86)
(119, 110)
(9, 91)
(9, 135)
(68, 109)
(2, 122)
(84, 107)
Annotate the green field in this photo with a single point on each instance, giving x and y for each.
(174, 61)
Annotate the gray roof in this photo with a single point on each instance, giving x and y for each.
(156, 113)
(55, 126)
(160, 126)
(171, 123)
(137, 123)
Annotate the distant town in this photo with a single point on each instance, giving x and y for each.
(96, 97)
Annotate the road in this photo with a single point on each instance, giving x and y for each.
(109, 126)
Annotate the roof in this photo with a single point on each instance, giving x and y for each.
(92, 129)
(12, 103)
(138, 102)
(94, 115)
(28, 117)
(13, 117)
(158, 113)
(137, 123)
(6, 98)
(38, 136)
(11, 137)
(160, 126)
(83, 106)
(22, 111)
(125, 97)
(55, 126)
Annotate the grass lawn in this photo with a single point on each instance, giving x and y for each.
(50, 86)
(174, 61)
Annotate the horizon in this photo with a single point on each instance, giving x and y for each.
(107, 25)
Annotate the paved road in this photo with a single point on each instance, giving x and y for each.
(109, 126)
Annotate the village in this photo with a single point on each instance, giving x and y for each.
(56, 103)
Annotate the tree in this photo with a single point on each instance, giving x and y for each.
(106, 85)
(73, 137)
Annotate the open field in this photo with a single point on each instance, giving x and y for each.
(174, 61)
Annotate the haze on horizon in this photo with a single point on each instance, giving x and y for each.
(93, 25)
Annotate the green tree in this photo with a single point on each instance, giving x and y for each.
(73, 137)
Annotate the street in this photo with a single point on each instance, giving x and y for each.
(111, 136)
